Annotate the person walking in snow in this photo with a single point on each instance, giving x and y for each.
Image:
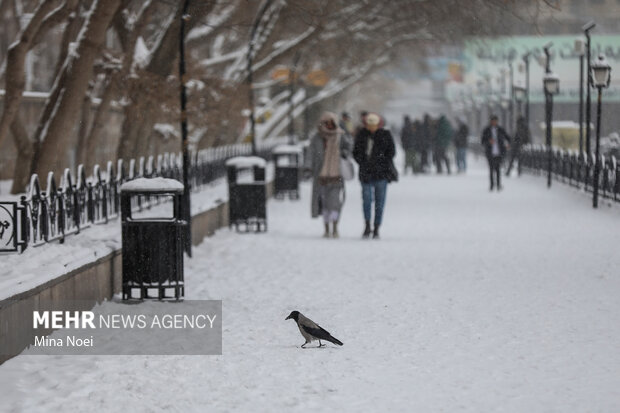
(495, 142)
(426, 135)
(417, 145)
(443, 139)
(407, 141)
(374, 152)
(460, 143)
(327, 147)
(346, 123)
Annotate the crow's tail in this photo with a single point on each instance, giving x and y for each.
(335, 340)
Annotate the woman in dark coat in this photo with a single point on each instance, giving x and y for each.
(373, 151)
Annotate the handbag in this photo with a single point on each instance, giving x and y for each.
(393, 172)
(347, 170)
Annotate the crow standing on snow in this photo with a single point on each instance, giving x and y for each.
(311, 330)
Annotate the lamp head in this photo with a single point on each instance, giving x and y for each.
(551, 83)
(580, 46)
(601, 72)
(588, 26)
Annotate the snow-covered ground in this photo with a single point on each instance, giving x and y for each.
(471, 301)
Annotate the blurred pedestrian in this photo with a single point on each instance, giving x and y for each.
(443, 139)
(417, 146)
(346, 123)
(495, 141)
(426, 141)
(408, 144)
(460, 143)
(362, 123)
(522, 137)
(374, 152)
(327, 147)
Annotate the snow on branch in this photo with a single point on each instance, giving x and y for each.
(214, 21)
(284, 46)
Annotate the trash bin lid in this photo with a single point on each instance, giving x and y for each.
(241, 162)
(287, 150)
(153, 185)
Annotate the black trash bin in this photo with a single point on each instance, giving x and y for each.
(247, 193)
(287, 159)
(153, 236)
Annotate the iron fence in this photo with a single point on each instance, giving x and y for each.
(43, 216)
(574, 169)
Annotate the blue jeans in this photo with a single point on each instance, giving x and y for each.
(461, 159)
(378, 189)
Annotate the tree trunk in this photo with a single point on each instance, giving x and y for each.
(133, 124)
(25, 151)
(15, 75)
(94, 138)
(83, 129)
(72, 83)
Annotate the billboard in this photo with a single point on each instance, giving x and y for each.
(487, 56)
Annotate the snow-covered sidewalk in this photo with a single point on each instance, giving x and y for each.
(471, 301)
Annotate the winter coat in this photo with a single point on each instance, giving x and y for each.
(314, 162)
(406, 136)
(503, 140)
(460, 138)
(444, 133)
(426, 134)
(378, 166)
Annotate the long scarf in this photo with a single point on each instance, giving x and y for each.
(331, 140)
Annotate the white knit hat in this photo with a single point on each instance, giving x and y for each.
(372, 119)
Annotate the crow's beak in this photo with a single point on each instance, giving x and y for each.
(287, 318)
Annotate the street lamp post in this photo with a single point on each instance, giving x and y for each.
(503, 104)
(580, 49)
(250, 57)
(519, 94)
(186, 210)
(489, 93)
(586, 29)
(526, 62)
(601, 76)
(552, 86)
(511, 100)
(292, 77)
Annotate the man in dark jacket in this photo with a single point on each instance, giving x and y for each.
(417, 146)
(425, 141)
(460, 143)
(373, 151)
(495, 141)
(443, 138)
(406, 140)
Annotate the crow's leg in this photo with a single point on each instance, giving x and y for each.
(303, 345)
(321, 345)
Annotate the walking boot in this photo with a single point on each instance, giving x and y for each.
(326, 234)
(335, 231)
(375, 233)
(366, 233)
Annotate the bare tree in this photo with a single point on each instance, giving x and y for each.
(137, 74)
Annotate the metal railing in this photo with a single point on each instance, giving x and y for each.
(43, 216)
(574, 169)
